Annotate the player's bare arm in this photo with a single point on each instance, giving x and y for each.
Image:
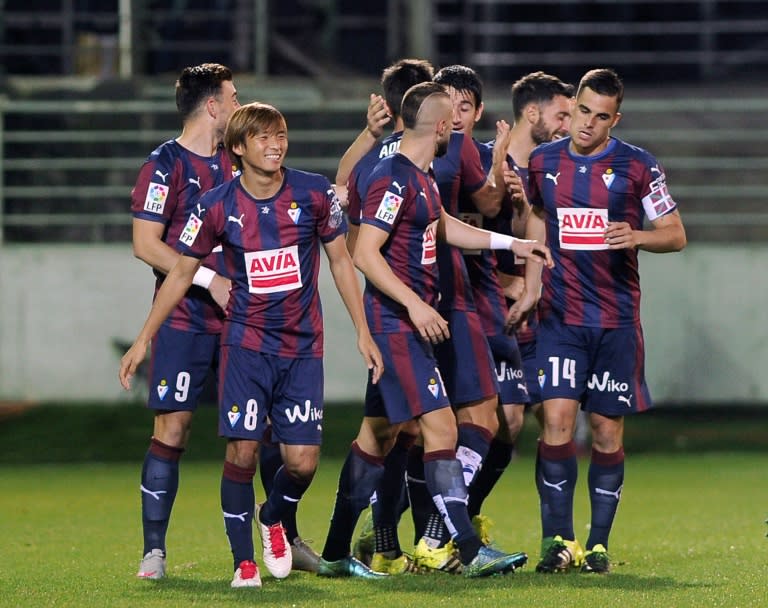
(667, 235)
(344, 275)
(169, 295)
(150, 248)
(459, 234)
(368, 259)
(535, 230)
(377, 117)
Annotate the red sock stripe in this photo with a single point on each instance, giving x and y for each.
(238, 474)
(608, 460)
(487, 435)
(165, 451)
(439, 455)
(557, 452)
(369, 458)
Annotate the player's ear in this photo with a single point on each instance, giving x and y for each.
(479, 111)
(616, 119)
(531, 113)
(210, 107)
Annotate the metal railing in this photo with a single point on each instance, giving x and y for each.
(717, 173)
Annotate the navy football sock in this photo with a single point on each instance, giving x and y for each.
(159, 484)
(285, 495)
(606, 479)
(445, 481)
(473, 444)
(237, 504)
(270, 462)
(556, 474)
(358, 479)
(391, 495)
(494, 465)
(418, 496)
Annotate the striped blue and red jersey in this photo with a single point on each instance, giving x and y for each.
(458, 171)
(481, 265)
(404, 201)
(271, 253)
(167, 190)
(357, 184)
(590, 285)
(506, 261)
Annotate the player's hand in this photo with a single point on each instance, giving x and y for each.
(377, 116)
(533, 250)
(619, 235)
(219, 290)
(371, 355)
(130, 363)
(428, 322)
(514, 186)
(514, 288)
(518, 312)
(342, 193)
(503, 137)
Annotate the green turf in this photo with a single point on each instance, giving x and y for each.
(689, 532)
(690, 529)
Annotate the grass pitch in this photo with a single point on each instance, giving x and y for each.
(689, 532)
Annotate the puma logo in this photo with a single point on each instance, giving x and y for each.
(556, 486)
(552, 177)
(163, 176)
(155, 495)
(237, 220)
(616, 494)
(195, 181)
(627, 400)
(399, 187)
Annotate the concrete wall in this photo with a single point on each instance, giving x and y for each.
(704, 313)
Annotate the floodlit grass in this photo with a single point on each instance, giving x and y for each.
(689, 532)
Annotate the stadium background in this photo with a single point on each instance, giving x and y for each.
(86, 93)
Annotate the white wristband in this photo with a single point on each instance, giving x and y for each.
(203, 277)
(501, 241)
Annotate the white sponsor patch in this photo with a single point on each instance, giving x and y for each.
(429, 245)
(273, 270)
(582, 228)
(156, 196)
(189, 234)
(388, 207)
(658, 201)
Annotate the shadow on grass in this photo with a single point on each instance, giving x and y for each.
(306, 589)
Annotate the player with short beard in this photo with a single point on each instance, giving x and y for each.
(590, 194)
(186, 347)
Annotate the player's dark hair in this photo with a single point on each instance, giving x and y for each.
(461, 78)
(249, 120)
(413, 99)
(537, 87)
(401, 76)
(603, 81)
(198, 83)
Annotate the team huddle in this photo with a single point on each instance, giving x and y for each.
(499, 277)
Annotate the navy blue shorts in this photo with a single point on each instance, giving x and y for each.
(465, 360)
(411, 384)
(178, 367)
(255, 387)
(531, 370)
(509, 370)
(604, 369)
